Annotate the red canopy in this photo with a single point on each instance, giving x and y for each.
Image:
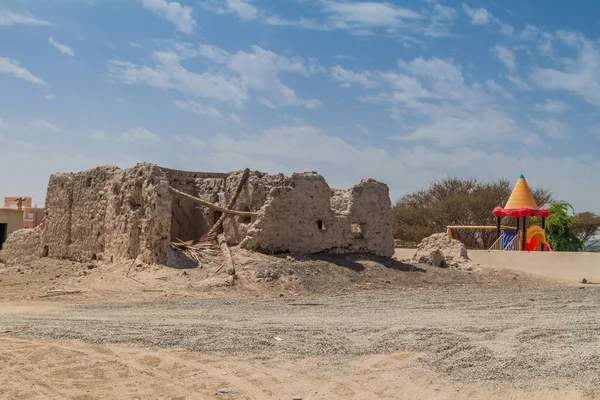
(521, 212)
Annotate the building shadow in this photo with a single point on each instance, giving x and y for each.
(355, 261)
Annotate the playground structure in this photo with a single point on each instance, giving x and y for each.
(520, 205)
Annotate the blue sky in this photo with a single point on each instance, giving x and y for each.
(404, 92)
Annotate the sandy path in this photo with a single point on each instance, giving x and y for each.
(69, 369)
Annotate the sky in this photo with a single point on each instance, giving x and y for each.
(405, 92)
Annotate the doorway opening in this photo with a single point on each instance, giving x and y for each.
(3, 234)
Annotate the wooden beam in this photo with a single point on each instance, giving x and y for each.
(213, 207)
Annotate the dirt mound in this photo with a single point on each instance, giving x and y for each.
(441, 250)
(256, 275)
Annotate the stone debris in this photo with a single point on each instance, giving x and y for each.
(442, 251)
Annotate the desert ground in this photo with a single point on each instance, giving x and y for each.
(321, 327)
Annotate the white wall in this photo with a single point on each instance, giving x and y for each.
(564, 266)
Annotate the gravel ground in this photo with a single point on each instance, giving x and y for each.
(526, 338)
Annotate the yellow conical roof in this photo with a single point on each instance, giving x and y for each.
(521, 196)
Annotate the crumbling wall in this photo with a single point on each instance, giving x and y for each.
(108, 213)
(22, 246)
(89, 195)
(306, 216)
(56, 236)
(138, 215)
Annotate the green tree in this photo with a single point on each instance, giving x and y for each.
(585, 226)
(559, 228)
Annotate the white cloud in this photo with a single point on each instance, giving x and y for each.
(43, 125)
(435, 104)
(199, 109)
(479, 16)
(214, 53)
(495, 87)
(301, 138)
(553, 106)
(99, 135)
(359, 18)
(140, 136)
(362, 129)
(519, 83)
(205, 111)
(61, 47)
(190, 141)
(169, 74)
(242, 8)
(174, 12)
(3, 125)
(469, 128)
(482, 17)
(552, 128)
(8, 18)
(360, 14)
(50, 96)
(348, 78)
(12, 67)
(365, 18)
(440, 21)
(434, 68)
(236, 119)
(506, 56)
(344, 57)
(257, 70)
(580, 76)
(210, 112)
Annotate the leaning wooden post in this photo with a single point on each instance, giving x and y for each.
(213, 231)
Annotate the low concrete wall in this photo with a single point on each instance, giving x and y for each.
(564, 266)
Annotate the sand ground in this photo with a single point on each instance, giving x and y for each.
(421, 344)
(315, 328)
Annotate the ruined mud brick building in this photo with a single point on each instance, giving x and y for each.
(110, 214)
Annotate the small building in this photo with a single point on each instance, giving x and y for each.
(11, 219)
(32, 216)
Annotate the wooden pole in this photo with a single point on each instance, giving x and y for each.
(524, 233)
(213, 206)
